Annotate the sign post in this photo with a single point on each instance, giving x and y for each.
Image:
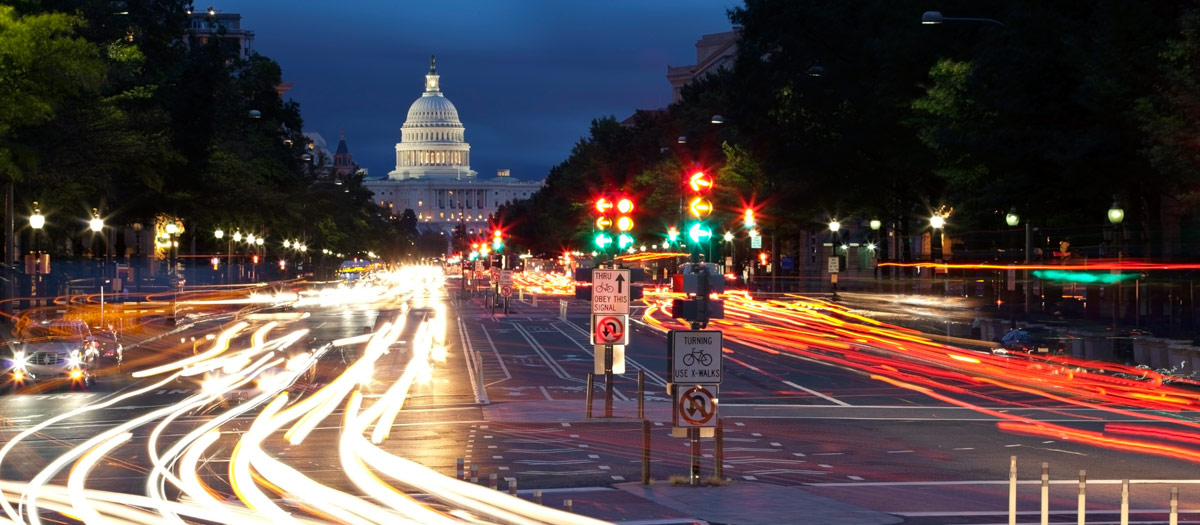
(610, 322)
(506, 284)
(695, 361)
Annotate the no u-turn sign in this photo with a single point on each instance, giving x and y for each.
(610, 329)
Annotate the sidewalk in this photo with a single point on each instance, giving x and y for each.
(740, 503)
(662, 503)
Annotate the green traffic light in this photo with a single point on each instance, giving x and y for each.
(699, 232)
(603, 240)
(625, 240)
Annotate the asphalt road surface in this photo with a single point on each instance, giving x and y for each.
(508, 399)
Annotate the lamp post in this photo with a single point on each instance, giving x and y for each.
(937, 224)
(1116, 215)
(835, 228)
(220, 234)
(237, 238)
(732, 252)
(97, 226)
(36, 222)
(258, 243)
(172, 279)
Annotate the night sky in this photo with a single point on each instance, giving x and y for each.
(527, 77)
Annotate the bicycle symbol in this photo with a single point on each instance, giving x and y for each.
(690, 358)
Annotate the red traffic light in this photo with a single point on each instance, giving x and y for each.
(496, 233)
(625, 205)
(700, 182)
(254, 259)
(603, 205)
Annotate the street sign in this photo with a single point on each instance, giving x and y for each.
(695, 356)
(610, 291)
(833, 265)
(756, 242)
(695, 407)
(618, 363)
(610, 329)
(506, 290)
(506, 277)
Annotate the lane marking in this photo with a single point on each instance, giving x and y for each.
(818, 394)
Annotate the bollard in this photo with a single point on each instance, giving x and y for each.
(537, 497)
(474, 473)
(1082, 519)
(641, 394)
(1045, 493)
(460, 469)
(588, 396)
(719, 450)
(512, 487)
(568, 506)
(521, 295)
(1124, 502)
(492, 481)
(1174, 516)
(645, 452)
(1012, 490)
(562, 309)
(533, 296)
(479, 365)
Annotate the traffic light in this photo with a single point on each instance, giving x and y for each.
(604, 223)
(497, 240)
(699, 186)
(625, 223)
(254, 259)
(614, 223)
(748, 219)
(673, 235)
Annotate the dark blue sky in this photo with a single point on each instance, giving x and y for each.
(526, 76)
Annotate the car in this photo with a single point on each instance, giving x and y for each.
(61, 349)
(1033, 341)
(34, 362)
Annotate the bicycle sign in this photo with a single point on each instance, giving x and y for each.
(695, 356)
(610, 291)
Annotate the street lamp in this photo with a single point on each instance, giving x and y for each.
(97, 226)
(172, 229)
(935, 17)
(36, 221)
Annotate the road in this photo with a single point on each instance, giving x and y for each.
(926, 441)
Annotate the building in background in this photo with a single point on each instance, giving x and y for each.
(206, 25)
(433, 175)
(713, 52)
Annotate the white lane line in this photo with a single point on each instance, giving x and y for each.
(818, 394)
(855, 478)
(499, 359)
(899, 452)
(541, 351)
(651, 376)
(546, 393)
(1005, 482)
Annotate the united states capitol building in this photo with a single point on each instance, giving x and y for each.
(433, 175)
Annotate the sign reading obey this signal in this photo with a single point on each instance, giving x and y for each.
(610, 291)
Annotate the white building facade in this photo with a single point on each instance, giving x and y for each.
(433, 175)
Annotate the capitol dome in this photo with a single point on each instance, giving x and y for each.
(432, 139)
(435, 110)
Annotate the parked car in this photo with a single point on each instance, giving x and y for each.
(1037, 341)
